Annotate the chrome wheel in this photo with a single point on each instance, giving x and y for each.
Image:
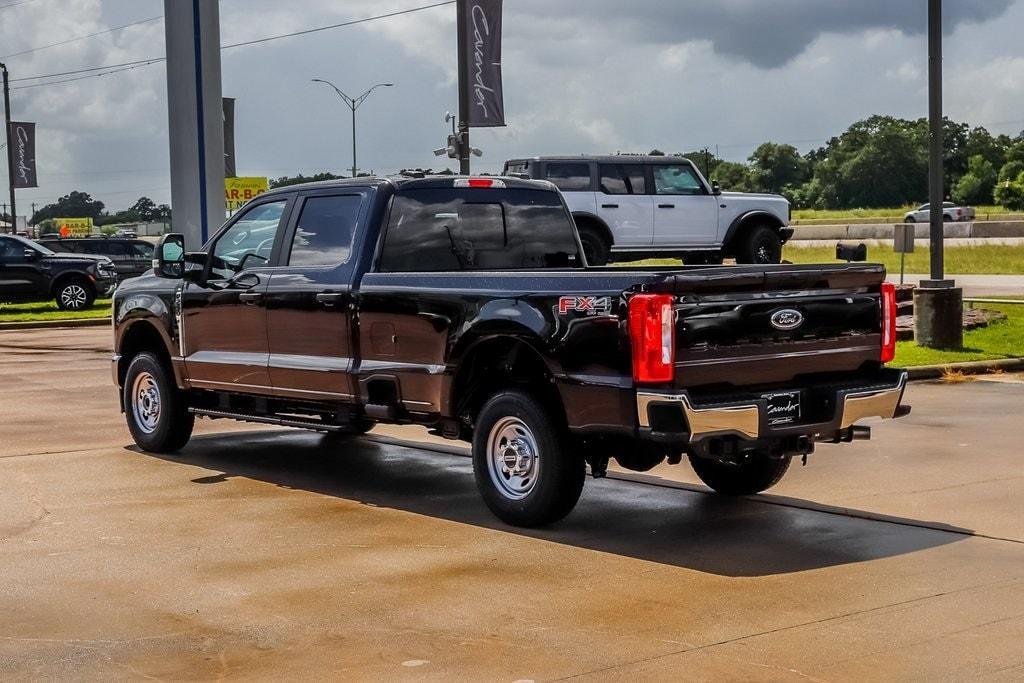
(73, 297)
(146, 402)
(513, 459)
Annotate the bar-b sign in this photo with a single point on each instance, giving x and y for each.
(22, 138)
(481, 41)
(237, 191)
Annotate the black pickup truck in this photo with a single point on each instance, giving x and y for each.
(466, 305)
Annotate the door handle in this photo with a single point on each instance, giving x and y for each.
(666, 206)
(250, 298)
(329, 298)
(609, 206)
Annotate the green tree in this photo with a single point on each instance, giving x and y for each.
(733, 176)
(286, 181)
(976, 186)
(1011, 171)
(773, 168)
(73, 205)
(1010, 193)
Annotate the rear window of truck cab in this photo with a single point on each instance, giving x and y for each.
(432, 230)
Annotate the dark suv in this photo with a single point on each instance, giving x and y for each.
(131, 257)
(31, 272)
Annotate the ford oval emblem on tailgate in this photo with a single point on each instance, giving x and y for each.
(787, 319)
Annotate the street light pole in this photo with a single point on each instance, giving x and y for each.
(353, 104)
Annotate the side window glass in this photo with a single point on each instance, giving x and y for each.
(622, 179)
(142, 250)
(323, 236)
(249, 242)
(569, 177)
(9, 249)
(676, 180)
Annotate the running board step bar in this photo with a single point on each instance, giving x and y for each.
(269, 420)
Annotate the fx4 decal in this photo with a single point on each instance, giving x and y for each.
(588, 305)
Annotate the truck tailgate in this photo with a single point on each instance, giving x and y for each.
(762, 325)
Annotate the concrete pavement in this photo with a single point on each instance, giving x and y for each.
(269, 554)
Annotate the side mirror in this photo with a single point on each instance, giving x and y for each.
(169, 257)
(716, 189)
(31, 255)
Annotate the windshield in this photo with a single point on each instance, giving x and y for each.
(29, 244)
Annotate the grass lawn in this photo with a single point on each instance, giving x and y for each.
(990, 259)
(998, 340)
(48, 310)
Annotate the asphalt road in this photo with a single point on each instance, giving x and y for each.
(268, 554)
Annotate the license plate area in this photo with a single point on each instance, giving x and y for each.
(782, 407)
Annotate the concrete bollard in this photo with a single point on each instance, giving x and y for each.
(938, 317)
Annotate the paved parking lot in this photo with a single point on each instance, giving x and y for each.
(269, 553)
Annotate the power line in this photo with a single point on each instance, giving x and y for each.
(152, 60)
(77, 38)
(81, 78)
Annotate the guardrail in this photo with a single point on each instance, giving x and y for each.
(971, 300)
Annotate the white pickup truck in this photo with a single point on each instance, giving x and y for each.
(950, 213)
(630, 207)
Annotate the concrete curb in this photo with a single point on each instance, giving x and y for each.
(884, 231)
(977, 367)
(46, 324)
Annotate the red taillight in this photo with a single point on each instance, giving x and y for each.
(479, 182)
(652, 332)
(888, 322)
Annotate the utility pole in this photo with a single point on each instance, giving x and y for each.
(463, 134)
(938, 303)
(10, 147)
(353, 104)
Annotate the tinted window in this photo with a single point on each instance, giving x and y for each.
(324, 233)
(676, 179)
(143, 249)
(11, 250)
(451, 230)
(249, 242)
(622, 179)
(516, 167)
(569, 177)
(59, 245)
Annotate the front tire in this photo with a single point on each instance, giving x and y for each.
(755, 473)
(760, 246)
(524, 469)
(909, 219)
(75, 295)
(154, 408)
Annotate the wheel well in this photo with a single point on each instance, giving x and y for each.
(497, 364)
(141, 336)
(67, 277)
(746, 224)
(588, 221)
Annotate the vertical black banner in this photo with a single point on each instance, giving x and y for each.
(230, 169)
(481, 61)
(22, 138)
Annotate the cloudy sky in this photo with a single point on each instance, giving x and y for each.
(581, 76)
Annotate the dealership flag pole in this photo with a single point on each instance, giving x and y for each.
(10, 147)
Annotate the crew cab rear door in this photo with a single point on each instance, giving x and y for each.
(309, 298)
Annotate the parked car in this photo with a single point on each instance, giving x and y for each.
(466, 305)
(950, 213)
(131, 257)
(634, 207)
(31, 272)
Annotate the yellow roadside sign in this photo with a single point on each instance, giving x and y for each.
(73, 227)
(237, 191)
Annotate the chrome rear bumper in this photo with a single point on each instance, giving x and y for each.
(746, 418)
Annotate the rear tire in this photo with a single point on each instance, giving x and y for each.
(524, 469)
(154, 408)
(75, 294)
(595, 248)
(909, 219)
(761, 245)
(755, 473)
